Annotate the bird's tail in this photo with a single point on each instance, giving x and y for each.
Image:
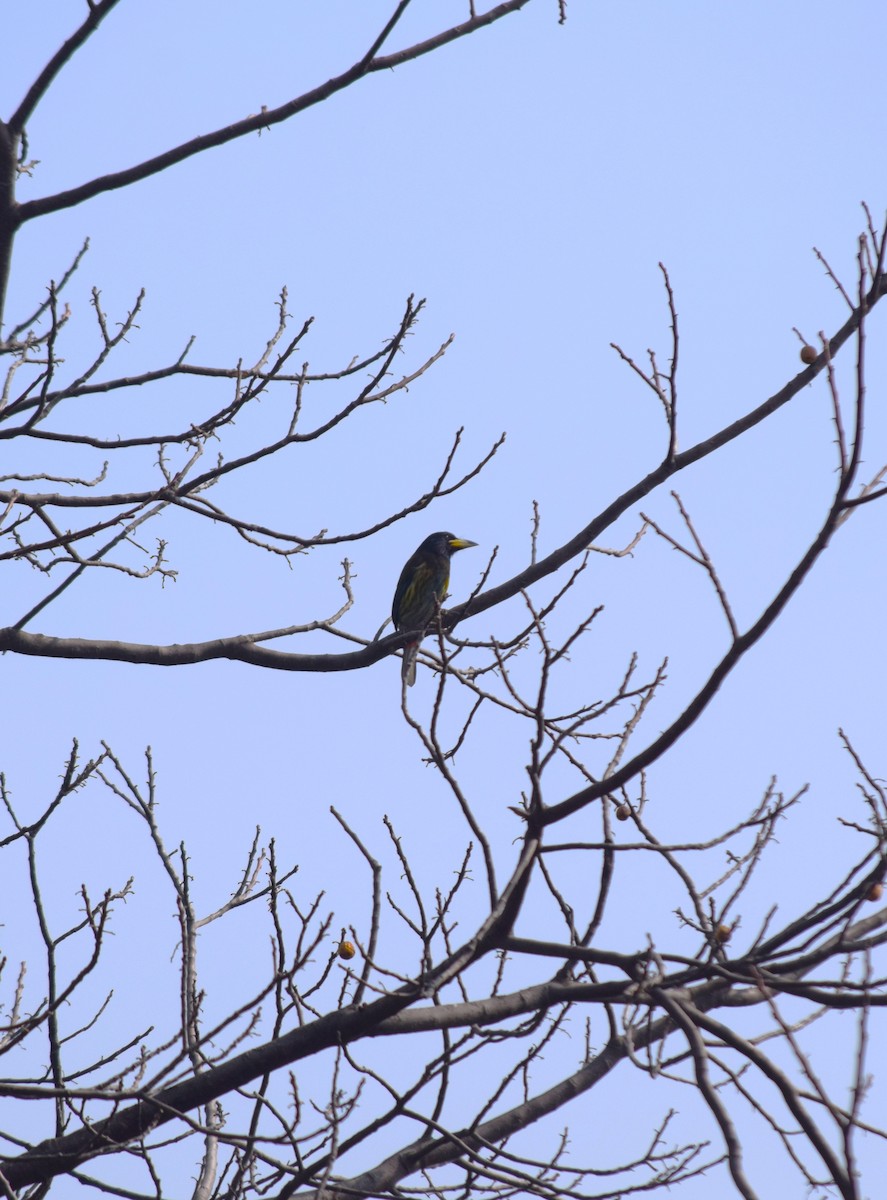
(408, 665)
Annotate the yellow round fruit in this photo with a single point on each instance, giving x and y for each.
(346, 950)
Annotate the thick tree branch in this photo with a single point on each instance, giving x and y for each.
(668, 468)
(263, 120)
(98, 10)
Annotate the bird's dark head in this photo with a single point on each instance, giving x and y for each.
(445, 543)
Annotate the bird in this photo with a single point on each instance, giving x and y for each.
(420, 590)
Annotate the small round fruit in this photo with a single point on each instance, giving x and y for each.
(809, 354)
(875, 892)
(346, 950)
(623, 812)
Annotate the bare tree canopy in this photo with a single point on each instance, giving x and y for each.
(521, 930)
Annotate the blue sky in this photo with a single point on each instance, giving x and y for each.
(527, 181)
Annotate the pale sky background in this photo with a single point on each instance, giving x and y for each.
(526, 180)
